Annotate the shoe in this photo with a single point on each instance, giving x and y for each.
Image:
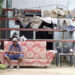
(11, 67)
(18, 66)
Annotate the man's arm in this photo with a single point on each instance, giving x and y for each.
(20, 50)
(9, 51)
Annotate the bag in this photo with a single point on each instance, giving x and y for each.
(23, 38)
(64, 49)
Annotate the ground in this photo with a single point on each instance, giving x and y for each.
(40, 71)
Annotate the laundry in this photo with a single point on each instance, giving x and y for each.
(35, 22)
(45, 34)
(18, 12)
(68, 28)
(24, 21)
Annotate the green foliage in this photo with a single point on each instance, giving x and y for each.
(2, 66)
(0, 7)
(1, 1)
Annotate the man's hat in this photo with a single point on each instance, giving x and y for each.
(15, 39)
(15, 33)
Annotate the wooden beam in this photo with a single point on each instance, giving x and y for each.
(27, 10)
(23, 29)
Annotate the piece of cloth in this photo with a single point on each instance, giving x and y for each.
(48, 13)
(48, 20)
(24, 21)
(67, 28)
(14, 56)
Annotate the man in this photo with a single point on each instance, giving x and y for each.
(15, 35)
(14, 52)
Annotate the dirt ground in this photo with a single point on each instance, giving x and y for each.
(40, 71)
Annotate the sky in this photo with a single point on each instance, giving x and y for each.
(43, 4)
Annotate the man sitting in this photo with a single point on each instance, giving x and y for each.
(14, 52)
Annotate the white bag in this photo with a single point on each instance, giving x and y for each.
(23, 38)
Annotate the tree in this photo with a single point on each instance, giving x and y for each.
(1, 1)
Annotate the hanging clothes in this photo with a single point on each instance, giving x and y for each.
(18, 12)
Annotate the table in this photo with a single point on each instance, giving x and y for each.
(58, 58)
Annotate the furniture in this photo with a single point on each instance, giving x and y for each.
(35, 54)
(59, 60)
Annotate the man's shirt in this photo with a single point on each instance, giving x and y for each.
(18, 48)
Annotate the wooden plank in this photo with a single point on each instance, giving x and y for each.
(8, 19)
(50, 40)
(23, 29)
(27, 10)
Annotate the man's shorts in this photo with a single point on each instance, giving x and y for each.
(14, 57)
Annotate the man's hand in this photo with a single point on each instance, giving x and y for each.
(11, 52)
(19, 52)
(14, 52)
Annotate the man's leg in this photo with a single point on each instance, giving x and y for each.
(7, 59)
(19, 60)
(20, 57)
